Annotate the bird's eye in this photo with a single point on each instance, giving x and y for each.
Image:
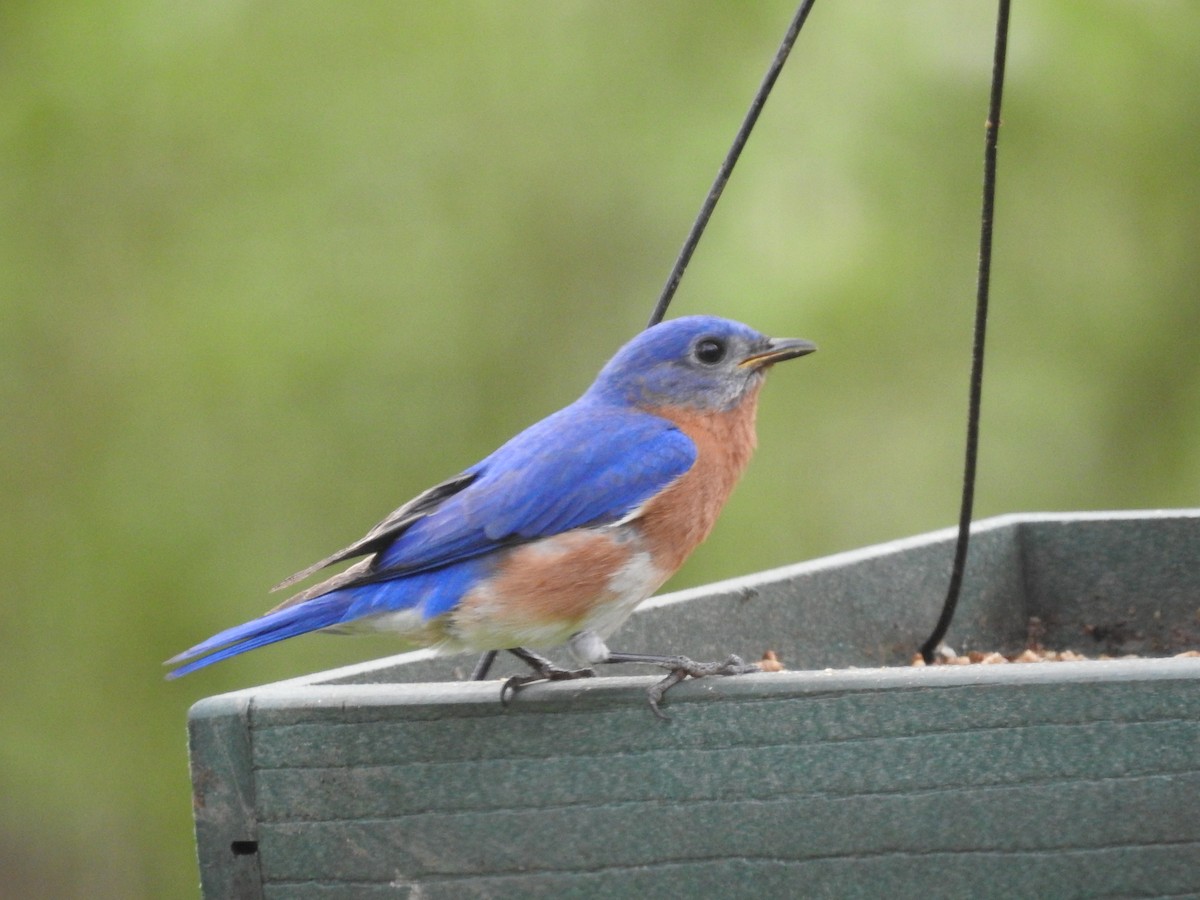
(709, 351)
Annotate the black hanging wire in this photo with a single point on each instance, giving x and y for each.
(484, 665)
(731, 158)
(991, 138)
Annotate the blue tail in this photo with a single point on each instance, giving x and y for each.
(311, 615)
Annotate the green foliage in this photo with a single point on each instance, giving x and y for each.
(269, 269)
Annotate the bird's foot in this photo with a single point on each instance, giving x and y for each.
(683, 668)
(548, 672)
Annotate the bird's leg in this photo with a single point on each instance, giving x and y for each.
(480, 672)
(588, 646)
(543, 669)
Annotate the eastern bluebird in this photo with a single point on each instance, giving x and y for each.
(557, 536)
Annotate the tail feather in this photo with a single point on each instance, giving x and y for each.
(313, 615)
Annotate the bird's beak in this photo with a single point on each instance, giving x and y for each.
(777, 350)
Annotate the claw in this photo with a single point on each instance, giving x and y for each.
(660, 688)
(546, 673)
(684, 668)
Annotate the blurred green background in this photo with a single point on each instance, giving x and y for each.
(269, 269)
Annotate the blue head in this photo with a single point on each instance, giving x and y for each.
(697, 362)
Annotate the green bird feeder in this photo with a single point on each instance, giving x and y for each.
(853, 774)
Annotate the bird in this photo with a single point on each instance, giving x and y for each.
(555, 538)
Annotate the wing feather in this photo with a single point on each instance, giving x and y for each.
(385, 531)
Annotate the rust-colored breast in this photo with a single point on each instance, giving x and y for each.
(561, 577)
(678, 519)
(547, 590)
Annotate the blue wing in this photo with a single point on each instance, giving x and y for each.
(585, 465)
